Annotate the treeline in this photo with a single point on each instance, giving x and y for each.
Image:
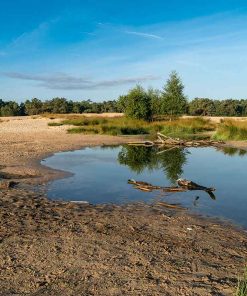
(138, 103)
(208, 107)
(197, 107)
(56, 105)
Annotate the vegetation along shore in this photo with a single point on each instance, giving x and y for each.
(62, 248)
(89, 248)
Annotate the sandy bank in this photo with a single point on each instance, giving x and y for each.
(58, 248)
(24, 141)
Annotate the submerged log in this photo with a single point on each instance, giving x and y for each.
(140, 184)
(170, 206)
(183, 185)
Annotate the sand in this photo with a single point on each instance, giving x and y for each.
(62, 248)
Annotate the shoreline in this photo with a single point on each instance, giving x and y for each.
(63, 248)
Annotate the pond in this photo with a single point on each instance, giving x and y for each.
(100, 175)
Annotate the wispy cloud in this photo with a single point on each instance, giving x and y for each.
(67, 82)
(145, 35)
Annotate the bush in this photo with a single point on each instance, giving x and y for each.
(138, 104)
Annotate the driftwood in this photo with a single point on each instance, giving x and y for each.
(141, 143)
(169, 206)
(192, 186)
(183, 185)
(163, 140)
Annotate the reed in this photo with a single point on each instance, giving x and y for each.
(242, 285)
(231, 130)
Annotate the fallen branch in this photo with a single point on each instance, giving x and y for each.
(192, 186)
(169, 206)
(166, 150)
(168, 141)
(143, 143)
(183, 185)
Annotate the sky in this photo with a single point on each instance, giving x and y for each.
(99, 49)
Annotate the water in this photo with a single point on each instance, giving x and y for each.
(100, 175)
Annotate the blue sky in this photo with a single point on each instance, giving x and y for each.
(98, 49)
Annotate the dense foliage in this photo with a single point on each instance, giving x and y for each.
(138, 103)
(56, 105)
(173, 101)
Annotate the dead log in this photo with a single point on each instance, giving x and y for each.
(169, 206)
(140, 184)
(168, 141)
(192, 186)
(143, 143)
(183, 186)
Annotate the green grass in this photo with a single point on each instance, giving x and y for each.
(231, 130)
(179, 127)
(242, 285)
(114, 127)
(188, 128)
(110, 126)
(83, 130)
(55, 124)
(84, 121)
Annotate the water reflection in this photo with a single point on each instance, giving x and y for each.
(230, 151)
(100, 175)
(138, 159)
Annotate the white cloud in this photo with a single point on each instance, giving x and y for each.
(145, 35)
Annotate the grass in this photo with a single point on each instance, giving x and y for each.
(83, 130)
(110, 126)
(188, 128)
(55, 124)
(183, 128)
(231, 130)
(242, 285)
(179, 127)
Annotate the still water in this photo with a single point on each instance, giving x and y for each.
(100, 175)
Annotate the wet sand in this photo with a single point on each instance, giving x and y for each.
(62, 248)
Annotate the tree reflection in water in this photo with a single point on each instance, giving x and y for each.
(231, 151)
(138, 158)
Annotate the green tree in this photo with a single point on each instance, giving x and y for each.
(122, 103)
(10, 108)
(57, 105)
(202, 107)
(155, 99)
(1, 103)
(33, 107)
(174, 101)
(138, 104)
